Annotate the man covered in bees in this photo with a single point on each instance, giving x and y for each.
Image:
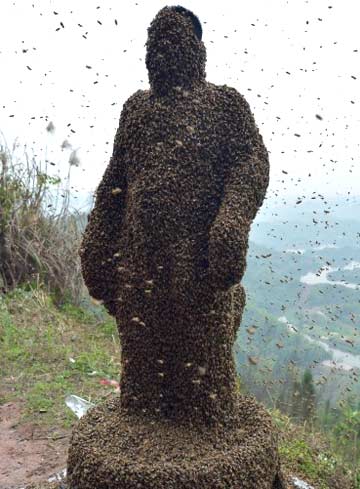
(167, 239)
(165, 251)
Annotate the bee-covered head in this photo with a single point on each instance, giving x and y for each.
(175, 55)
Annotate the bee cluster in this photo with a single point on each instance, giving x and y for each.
(165, 251)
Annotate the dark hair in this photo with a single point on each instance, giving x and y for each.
(195, 21)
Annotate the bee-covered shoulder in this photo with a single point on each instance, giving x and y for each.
(135, 101)
(234, 101)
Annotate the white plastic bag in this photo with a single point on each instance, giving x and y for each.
(78, 405)
(299, 484)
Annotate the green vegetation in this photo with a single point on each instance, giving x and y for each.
(49, 352)
(54, 341)
(310, 456)
(39, 235)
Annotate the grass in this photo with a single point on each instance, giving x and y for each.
(307, 455)
(302, 458)
(39, 232)
(48, 353)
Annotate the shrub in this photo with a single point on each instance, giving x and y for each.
(39, 235)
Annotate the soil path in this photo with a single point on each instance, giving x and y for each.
(27, 454)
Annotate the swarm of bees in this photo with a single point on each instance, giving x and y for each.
(165, 250)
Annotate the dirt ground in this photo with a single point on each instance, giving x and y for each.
(27, 454)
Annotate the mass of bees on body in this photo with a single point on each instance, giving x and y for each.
(165, 251)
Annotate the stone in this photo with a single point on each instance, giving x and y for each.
(166, 256)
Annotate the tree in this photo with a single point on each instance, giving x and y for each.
(308, 397)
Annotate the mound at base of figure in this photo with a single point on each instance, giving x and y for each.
(111, 450)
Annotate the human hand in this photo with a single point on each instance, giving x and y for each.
(228, 246)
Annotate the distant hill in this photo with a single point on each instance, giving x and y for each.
(296, 325)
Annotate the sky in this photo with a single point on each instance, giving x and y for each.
(297, 62)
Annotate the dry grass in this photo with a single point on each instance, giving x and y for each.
(39, 235)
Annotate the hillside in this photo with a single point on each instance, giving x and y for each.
(297, 349)
(303, 312)
(49, 353)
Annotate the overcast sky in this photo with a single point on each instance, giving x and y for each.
(297, 62)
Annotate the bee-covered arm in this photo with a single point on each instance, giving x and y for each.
(245, 184)
(99, 248)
